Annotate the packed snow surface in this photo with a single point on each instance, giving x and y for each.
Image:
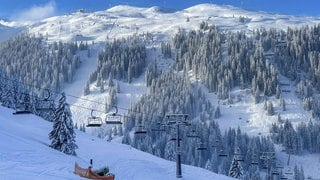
(25, 154)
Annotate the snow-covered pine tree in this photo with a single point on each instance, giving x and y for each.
(217, 113)
(63, 136)
(235, 169)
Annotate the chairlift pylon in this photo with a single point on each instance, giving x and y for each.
(94, 121)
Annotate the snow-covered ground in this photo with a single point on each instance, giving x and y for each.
(25, 154)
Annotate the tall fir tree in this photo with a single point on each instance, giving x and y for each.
(63, 136)
(235, 169)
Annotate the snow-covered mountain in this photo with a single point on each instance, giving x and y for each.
(156, 25)
(122, 21)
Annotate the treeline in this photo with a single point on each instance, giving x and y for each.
(244, 65)
(305, 137)
(33, 71)
(122, 59)
(34, 62)
(17, 96)
(172, 92)
(296, 52)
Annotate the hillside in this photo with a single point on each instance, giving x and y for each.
(238, 105)
(25, 154)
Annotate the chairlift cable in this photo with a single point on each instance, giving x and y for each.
(69, 95)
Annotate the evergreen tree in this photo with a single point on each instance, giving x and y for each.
(217, 113)
(283, 105)
(235, 169)
(63, 136)
(270, 110)
(86, 90)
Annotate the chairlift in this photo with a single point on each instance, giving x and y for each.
(264, 166)
(193, 134)
(222, 154)
(275, 172)
(160, 128)
(254, 160)
(113, 118)
(46, 104)
(170, 121)
(289, 173)
(21, 112)
(174, 138)
(238, 156)
(25, 108)
(140, 130)
(202, 147)
(94, 121)
(239, 159)
(216, 144)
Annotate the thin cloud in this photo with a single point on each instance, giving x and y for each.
(36, 12)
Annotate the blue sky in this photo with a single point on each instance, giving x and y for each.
(37, 9)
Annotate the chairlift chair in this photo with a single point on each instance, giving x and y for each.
(174, 138)
(239, 159)
(283, 177)
(254, 160)
(22, 110)
(289, 173)
(113, 118)
(216, 144)
(275, 172)
(238, 156)
(192, 134)
(47, 104)
(202, 147)
(160, 128)
(140, 130)
(94, 121)
(222, 154)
